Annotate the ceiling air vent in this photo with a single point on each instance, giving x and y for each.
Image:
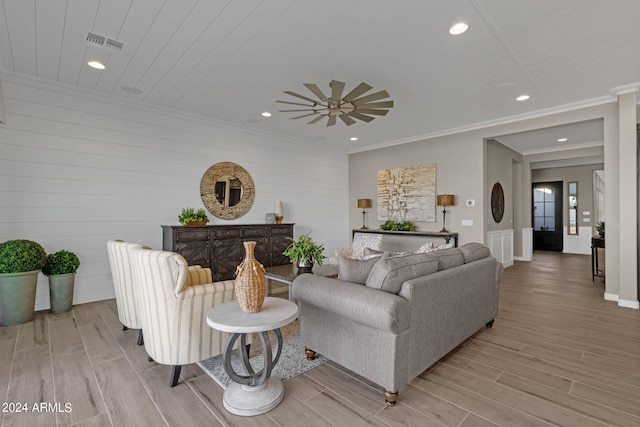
(98, 40)
(95, 39)
(114, 45)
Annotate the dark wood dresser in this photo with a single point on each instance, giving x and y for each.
(220, 247)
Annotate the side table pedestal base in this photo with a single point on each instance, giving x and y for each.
(248, 401)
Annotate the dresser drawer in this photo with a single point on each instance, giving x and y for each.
(221, 233)
(194, 234)
(254, 231)
(285, 230)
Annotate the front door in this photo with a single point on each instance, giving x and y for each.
(547, 216)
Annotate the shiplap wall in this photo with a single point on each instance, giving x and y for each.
(77, 170)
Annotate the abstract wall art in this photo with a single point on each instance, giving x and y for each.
(407, 193)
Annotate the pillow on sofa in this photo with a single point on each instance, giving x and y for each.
(390, 273)
(365, 240)
(356, 270)
(448, 258)
(474, 251)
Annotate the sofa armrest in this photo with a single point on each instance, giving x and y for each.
(370, 307)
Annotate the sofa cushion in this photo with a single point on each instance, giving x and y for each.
(448, 258)
(390, 273)
(356, 270)
(474, 251)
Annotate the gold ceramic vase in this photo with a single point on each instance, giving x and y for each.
(250, 283)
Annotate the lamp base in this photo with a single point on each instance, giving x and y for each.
(444, 230)
(364, 227)
(278, 219)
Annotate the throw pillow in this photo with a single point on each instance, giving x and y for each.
(356, 270)
(365, 240)
(427, 247)
(389, 274)
(474, 251)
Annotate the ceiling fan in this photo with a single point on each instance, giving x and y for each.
(351, 106)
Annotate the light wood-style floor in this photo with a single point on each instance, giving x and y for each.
(558, 354)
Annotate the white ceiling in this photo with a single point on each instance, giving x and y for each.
(231, 60)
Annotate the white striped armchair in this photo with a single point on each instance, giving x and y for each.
(174, 313)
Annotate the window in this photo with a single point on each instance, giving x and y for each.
(544, 209)
(573, 207)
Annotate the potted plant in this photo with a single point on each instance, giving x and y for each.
(193, 218)
(398, 226)
(304, 252)
(61, 269)
(20, 263)
(600, 228)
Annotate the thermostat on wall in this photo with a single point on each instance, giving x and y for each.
(471, 202)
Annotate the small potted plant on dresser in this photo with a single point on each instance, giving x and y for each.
(304, 252)
(193, 218)
(20, 263)
(61, 269)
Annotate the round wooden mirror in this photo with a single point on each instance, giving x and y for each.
(497, 202)
(227, 190)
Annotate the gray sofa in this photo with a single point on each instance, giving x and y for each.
(390, 318)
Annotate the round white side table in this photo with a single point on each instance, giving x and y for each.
(256, 392)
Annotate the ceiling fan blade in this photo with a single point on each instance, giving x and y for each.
(305, 115)
(298, 103)
(359, 90)
(336, 89)
(361, 117)
(383, 104)
(374, 112)
(316, 91)
(294, 111)
(331, 121)
(373, 97)
(288, 92)
(317, 119)
(347, 120)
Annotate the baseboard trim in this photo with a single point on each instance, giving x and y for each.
(611, 297)
(629, 304)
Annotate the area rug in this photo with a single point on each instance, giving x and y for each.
(292, 360)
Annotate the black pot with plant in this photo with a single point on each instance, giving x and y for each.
(304, 252)
(600, 229)
(61, 268)
(192, 217)
(20, 262)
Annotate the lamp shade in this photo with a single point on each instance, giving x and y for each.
(445, 200)
(364, 203)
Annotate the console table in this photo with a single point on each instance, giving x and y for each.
(446, 236)
(220, 247)
(596, 242)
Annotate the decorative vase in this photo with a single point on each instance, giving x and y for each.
(305, 266)
(18, 297)
(250, 283)
(61, 292)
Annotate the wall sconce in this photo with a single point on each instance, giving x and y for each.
(364, 203)
(445, 200)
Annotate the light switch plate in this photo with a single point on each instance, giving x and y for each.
(467, 222)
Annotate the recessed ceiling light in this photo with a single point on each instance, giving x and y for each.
(97, 65)
(523, 98)
(562, 139)
(354, 138)
(458, 28)
(266, 114)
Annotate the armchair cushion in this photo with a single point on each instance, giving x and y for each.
(474, 251)
(197, 275)
(356, 270)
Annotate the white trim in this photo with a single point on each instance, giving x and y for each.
(624, 89)
(577, 243)
(500, 244)
(527, 245)
(628, 304)
(611, 297)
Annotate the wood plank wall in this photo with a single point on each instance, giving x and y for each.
(77, 170)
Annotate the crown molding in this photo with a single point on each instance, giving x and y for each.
(622, 90)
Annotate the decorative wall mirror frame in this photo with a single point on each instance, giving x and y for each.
(497, 202)
(216, 203)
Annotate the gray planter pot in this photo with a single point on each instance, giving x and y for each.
(61, 292)
(17, 297)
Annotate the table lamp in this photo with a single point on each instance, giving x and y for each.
(445, 200)
(364, 203)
